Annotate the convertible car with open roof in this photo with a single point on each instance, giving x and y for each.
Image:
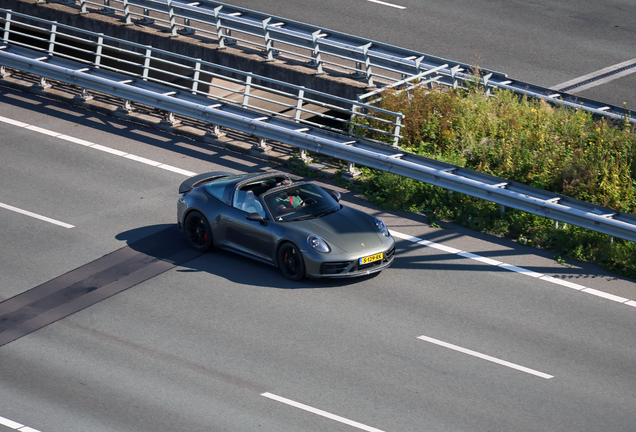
(296, 226)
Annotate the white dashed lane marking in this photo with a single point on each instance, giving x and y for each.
(387, 4)
(320, 412)
(15, 425)
(417, 240)
(485, 357)
(36, 216)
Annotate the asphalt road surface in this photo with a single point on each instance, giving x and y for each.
(542, 42)
(109, 323)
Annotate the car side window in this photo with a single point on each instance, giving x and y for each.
(247, 201)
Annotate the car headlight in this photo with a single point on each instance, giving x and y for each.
(383, 229)
(318, 243)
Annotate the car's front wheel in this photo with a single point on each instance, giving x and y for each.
(197, 231)
(290, 262)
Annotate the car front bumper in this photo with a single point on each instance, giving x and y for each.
(347, 265)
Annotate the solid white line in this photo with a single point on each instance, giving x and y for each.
(320, 412)
(513, 268)
(485, 357)
(36, 216)
(43, 131)
(108, 150)
(177, 170)
(520, 270)
(562, 282)
(142, 160)
(10, 423)
(606, 295)
(595, 74)
(76, 140)
(387, 4)
(28, 429)
(13, 122)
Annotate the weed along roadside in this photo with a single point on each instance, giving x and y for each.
(528, 141)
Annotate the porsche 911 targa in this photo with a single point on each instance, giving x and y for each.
(296, 226)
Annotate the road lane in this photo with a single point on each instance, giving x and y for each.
(195, 347)
(347, 348)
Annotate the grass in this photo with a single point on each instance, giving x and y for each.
(525, 140)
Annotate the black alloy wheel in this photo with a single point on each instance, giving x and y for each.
(290, 262)
(198, 232)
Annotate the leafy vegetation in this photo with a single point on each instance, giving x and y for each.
(529, 141)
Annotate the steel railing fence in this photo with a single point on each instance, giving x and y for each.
(194, 75)
(382, 157)
(324, 49)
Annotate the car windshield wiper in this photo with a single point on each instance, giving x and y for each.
(303, 217)
(326, 212)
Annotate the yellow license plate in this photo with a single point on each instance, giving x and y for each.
(371, 258)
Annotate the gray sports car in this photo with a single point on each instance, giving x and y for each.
(295, 226)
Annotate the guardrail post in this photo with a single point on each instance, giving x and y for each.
(7, 27)
(128, 19)
(246, 93)
(396, 132)
(315, 54)
(98, 51)
(173, 20)
(126, 108)
(4, 73)
(43, 84)
(555, 224)
(186, 30)
(170, 120)
(146, 20)
(297, 114)
(367, 64)
(83, 10)
(84, 96)
(358, 72)
(195, 78)
(147, 63)
(485, 81)
(351, 172)
(354, 111)
(216, 132)
(454, 71)
(261, 147)
(107, 10)
(224, 39)
(51, 50)
(269, 43)
(299, 105)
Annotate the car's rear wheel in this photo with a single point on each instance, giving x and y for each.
(290, 262)
(198, 232)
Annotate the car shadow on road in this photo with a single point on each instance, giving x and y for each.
(165, 242)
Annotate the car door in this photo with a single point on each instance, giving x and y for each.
(247, 237)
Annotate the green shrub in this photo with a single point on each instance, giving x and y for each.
(528, 141)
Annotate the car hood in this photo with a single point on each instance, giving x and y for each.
(348, 229)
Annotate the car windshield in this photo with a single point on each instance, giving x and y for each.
(300, 201)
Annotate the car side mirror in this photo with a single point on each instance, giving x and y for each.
(256, 217)
(336, 195)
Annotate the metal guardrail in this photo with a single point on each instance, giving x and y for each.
(230, 25)
(183, 73)
(324, 49)
(382, 157)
